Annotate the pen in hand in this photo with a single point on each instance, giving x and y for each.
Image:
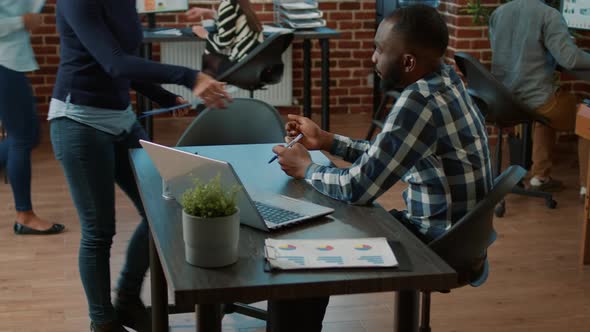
(300, 136)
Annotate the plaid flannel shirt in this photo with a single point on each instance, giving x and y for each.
(434, 139)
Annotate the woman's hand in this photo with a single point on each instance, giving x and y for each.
(32, 21)
(314, 138)
(182, 111)
(197, 13)
(200, 32)
(211, 91)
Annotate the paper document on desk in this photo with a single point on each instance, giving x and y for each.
(329, 253)
(168, 32)
(273, 29)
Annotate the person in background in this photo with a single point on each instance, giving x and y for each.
(238, 32)
(529, 39)
(18, 112)
(434, 139)
(92, 129)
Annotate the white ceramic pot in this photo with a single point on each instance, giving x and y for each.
(211, 242)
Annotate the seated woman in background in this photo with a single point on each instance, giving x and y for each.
(238, 32)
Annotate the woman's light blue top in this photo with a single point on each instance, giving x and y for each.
(15, 45)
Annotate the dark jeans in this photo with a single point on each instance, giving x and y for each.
(93, 161)
(19, 117)
(307, 314)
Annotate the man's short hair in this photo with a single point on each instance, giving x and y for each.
(422, 27)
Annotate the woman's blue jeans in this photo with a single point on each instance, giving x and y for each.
(93, 161)
(19, 118)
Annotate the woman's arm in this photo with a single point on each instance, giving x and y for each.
(155, 93)
(85, 19)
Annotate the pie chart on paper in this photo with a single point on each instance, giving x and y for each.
(325, 248)
(363, 247)
(287, 247)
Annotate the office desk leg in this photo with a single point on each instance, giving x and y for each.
(307, 78)
(209, 317)
(325, 45)
(159, 290)
(585, 254)
(406, 312)
(146, 104)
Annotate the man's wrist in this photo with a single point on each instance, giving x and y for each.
(327, 140)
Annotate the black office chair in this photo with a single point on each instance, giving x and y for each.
(464, 246)
(503, 110)
(244, 121)
(263, 66)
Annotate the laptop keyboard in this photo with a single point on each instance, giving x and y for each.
(276, 215)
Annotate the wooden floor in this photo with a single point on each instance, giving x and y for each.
(536, 283)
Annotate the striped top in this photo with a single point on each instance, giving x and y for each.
(233, 33)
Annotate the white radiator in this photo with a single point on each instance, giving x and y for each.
(188, 54)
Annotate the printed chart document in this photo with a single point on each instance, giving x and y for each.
(329, 253)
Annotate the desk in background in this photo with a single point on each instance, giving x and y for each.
(583, 130)
(246, 281)
(322, 34)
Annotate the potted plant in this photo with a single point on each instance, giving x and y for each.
(210, 224)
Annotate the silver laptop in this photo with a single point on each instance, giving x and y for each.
(261, 210)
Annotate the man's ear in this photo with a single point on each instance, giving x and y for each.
(409, 62)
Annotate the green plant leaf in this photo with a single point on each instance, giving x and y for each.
(210, 199)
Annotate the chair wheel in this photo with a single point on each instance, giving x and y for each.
(500, 210)
(551, 203)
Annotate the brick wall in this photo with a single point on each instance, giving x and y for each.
(350, 56)
(465, 36)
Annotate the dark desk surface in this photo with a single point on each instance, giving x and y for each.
(317, 33)
(246, 281)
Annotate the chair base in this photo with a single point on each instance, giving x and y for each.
(521, 157)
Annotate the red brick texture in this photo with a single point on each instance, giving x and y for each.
(350, 55)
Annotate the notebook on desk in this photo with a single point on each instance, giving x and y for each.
(261, 210)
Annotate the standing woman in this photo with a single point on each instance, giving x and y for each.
(92, 129)
(238, 32)
(18, 113)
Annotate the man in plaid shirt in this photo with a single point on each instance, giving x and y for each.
(434, 139)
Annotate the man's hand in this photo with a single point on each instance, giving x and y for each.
(197, 13)
(200, 32)
(183, 111)
(314, 138)
(294, 161)
(32, 21)
(212, 92)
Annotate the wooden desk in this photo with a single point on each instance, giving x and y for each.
(583, 130)
(246, 281)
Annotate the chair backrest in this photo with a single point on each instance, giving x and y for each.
(263, 66)
(465, 244)
(498, 104)
(244, 121)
